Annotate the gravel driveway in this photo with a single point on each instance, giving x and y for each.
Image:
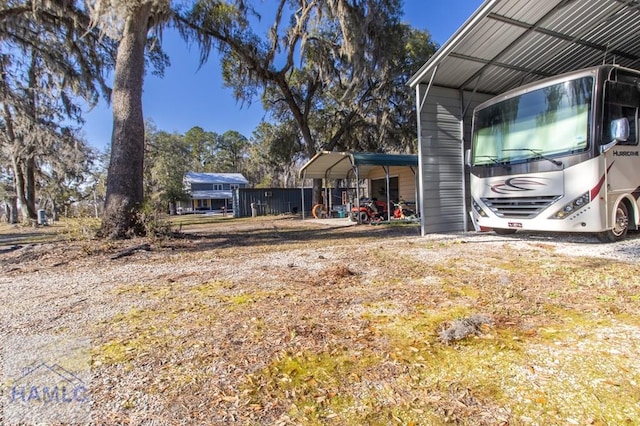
(182, 328)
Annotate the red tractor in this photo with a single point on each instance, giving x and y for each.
(369, 211)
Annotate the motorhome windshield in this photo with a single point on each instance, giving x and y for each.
(541, 124)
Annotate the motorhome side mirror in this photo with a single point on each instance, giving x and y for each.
(619, 133)
(467, 157)
(620, 129)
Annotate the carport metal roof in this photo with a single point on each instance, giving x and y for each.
(507, 43)
(342, 165)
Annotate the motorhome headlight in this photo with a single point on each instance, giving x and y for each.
(572, 207)
(478, 209)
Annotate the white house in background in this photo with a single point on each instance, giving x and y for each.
(210, 191)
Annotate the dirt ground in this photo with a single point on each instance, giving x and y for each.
(283, 321)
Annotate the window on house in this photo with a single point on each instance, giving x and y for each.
(234, 186)
(217, 187)
(200, 186)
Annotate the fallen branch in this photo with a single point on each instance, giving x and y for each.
(130, 251)
(9, 249)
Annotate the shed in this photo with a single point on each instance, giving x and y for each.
(503, 45)
(359, 165)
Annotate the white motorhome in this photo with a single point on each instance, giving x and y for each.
(560, 154)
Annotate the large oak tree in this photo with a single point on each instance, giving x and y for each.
(129, 21)
(137, 24)
(48, 61)
(335, 68)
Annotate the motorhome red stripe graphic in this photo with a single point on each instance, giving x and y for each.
(596, 189)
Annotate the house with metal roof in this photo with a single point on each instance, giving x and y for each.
(503, 45)
(211, 191)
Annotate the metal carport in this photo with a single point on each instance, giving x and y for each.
(353, 165)
(504, 44)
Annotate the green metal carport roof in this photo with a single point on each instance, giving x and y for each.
(344, 165)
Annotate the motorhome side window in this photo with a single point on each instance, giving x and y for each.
(621, 101)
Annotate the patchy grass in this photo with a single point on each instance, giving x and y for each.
(284, 322)
(157, 323)
(11, 234)
(311, 382)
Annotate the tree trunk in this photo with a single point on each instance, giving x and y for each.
(12, 210)
(54, 210)
(30, 187)
(316, 192)
(6, 210)
(22, 188)
(125, 177)
(18, 182)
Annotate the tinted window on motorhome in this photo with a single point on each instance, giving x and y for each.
(550, 121)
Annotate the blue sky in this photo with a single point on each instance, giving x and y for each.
(189, 96)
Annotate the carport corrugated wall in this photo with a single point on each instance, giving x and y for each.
(443, 181)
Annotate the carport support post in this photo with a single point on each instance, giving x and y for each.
(464, 171)
(358, 195)
(386, 173)
(416, 185)
(304, 176)
(328, 196)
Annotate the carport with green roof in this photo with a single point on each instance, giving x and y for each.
(330, 165)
